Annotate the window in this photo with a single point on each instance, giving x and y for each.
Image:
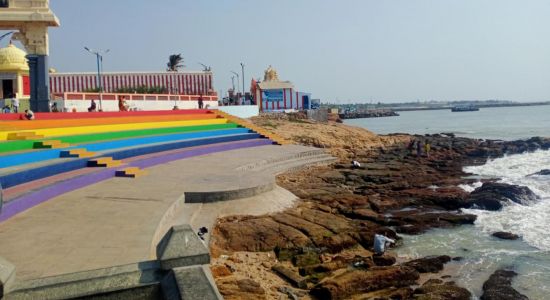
(4, 3)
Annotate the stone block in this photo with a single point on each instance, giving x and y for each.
(132, 281)
(181, 247)
(190, 283)
(7, 276)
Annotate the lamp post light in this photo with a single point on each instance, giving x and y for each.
(99, 57)
(242, 70)
(5, 35)
(205, 69)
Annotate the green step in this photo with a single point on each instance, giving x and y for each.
(11, 146)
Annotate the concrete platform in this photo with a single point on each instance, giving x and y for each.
(119, 221)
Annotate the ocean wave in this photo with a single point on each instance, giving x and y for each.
(529, 222)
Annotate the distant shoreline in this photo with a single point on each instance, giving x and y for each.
(480, 106)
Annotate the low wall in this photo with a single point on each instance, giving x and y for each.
(81, 101)
(241, 111)
(179, 271)
(319, 115)
(95, 115)
(112, 105)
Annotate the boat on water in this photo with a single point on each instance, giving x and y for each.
(461, 108)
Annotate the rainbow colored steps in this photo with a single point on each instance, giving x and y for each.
(13, 146)
(98, 142)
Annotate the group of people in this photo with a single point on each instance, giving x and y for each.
(420, 147)
(122, 106)
(14, 106)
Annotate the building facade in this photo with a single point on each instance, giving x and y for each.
(14, 79)
(178, 83)
(14, 73)
(273, 94)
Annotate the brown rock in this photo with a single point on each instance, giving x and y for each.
(499, 286)
(292, 277)
(306, 259)
(314, 232)
(332, 222)
(437, 290)
(388, 294)
(360, 281)
(383, 260)
(237, 289)
(505, 235)
(220, 271)
(256, 234)
(429, 264)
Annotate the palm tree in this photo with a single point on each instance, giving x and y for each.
(175, 62)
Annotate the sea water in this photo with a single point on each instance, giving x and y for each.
(481, 253)
(505, 123)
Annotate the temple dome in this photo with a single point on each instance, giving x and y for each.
(13, 59)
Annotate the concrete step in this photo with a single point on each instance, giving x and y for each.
(275, 160)
(298, 164)
(131, 172)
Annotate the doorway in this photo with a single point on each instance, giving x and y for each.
(305, 100)
(7, 89)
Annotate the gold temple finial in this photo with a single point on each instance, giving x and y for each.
(271, 74)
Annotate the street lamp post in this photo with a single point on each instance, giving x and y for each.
(99, 57)
(242, 70)
(238, 82)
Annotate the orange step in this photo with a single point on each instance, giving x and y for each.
(51, 144)
(79, 152)
(105, 162)
(131, 172)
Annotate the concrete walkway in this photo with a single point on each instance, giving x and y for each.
(118, 221)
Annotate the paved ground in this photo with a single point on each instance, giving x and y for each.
(118, 220)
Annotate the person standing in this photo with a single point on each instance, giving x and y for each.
(419, 147)
(92, 107)
(427, 148)
(122, 106)
(411, 147)
(15, 103)
(54, 107)
(200, 102)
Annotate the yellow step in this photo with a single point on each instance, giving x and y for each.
(26, 135)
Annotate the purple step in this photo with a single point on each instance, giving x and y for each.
(30, 200)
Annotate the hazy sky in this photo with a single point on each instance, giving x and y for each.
(384, 50)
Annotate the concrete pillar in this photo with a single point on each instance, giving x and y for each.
(40, 83)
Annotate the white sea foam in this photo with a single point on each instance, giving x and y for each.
(530, 222)
(470, 187)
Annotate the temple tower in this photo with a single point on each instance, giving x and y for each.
(31, 19)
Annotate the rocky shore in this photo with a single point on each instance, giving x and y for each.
(321, 248)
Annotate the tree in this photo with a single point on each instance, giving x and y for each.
(175, 62)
